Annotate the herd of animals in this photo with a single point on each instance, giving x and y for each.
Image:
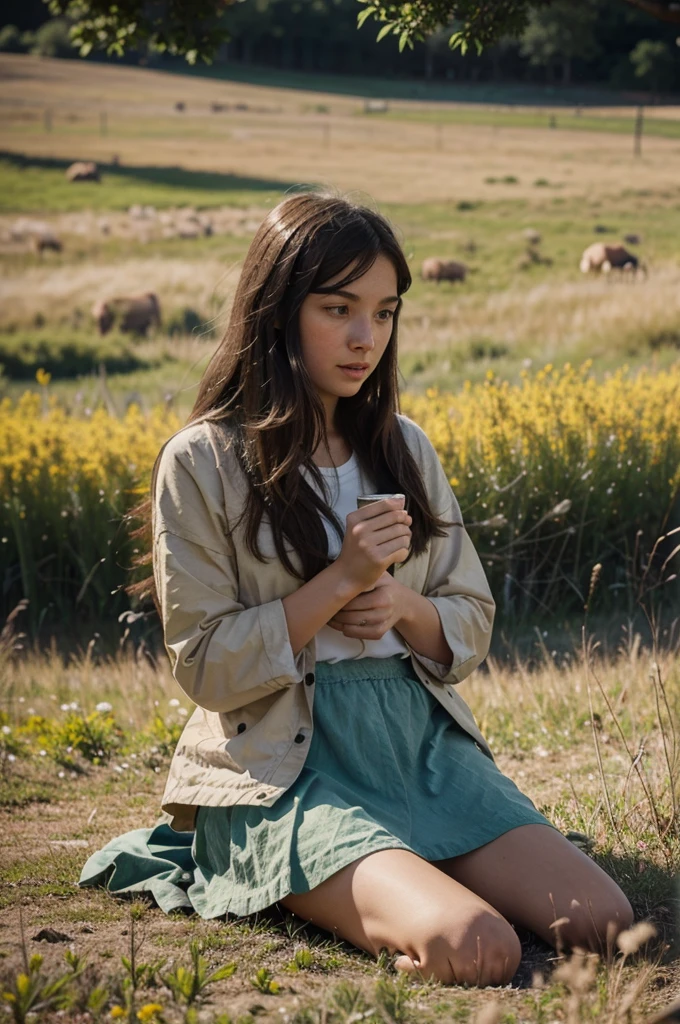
(137, 314)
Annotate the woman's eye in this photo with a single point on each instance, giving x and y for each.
(337, 309)
(389, 314)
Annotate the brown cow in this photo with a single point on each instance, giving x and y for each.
(434, 269)
(46, 241)
(602, 257)
(83, 170)
(133, 313)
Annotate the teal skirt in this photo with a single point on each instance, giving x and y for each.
(387, 768)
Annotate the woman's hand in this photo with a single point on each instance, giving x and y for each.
(381, 608)
(376, 536)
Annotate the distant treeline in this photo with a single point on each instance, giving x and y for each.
(600, 42)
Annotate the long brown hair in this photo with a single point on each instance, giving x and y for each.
(257, 388)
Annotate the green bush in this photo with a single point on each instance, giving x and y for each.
(65, 355)
(53, 39)
(10, 40)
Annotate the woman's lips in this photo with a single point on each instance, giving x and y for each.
(354, 374)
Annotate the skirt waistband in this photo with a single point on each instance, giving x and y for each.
(364, 668)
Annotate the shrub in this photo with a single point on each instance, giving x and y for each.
(53, 39)
(10, 40)
(65, 355)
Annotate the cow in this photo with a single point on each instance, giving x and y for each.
(133, 313)
(434, 269)
(601, 257)
(83, 170)
(46, 241)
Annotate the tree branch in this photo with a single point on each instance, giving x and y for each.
(662, 11)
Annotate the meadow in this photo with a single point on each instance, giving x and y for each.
(552, 400)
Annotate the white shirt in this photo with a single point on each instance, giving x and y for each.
(346, 483)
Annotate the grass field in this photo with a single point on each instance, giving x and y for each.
(61, 807)
(458, 180)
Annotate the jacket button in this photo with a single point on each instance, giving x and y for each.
(241, 727)
(309, 678)
(300, 738)
(260, 796)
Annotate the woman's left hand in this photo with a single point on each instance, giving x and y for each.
(381, 608)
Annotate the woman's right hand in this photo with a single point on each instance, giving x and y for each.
(376, 536)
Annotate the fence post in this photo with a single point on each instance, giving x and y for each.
(638, 131)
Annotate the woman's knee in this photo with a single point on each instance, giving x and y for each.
(482, 950)
(595, 924)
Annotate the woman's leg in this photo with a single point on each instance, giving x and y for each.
(396, 899)
(533, 876)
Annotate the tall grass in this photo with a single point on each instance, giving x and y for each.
(553, 476)
(558, 474)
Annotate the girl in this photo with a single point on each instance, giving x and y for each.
(330, 765)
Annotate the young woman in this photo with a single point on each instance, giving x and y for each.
(330, 765)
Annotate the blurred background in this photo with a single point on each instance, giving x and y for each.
(533, 184)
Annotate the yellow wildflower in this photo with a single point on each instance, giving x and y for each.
(43, 377)
(149, 1011)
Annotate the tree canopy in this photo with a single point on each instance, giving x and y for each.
(197, 28)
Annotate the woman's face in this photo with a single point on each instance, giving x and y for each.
(351, 327)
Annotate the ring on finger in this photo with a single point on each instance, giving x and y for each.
(362, 622)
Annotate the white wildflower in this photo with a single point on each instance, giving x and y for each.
(104, 706)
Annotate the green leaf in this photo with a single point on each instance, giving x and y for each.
(405, 40)
(221, 973)
(363, 15)
(385, 30)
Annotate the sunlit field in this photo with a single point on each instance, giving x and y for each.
(552, 400)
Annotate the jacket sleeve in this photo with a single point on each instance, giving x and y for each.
(222, 654)
(456, 583)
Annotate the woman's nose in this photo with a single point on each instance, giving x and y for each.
(362, 332)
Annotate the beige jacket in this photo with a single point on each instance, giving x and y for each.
(226, 633)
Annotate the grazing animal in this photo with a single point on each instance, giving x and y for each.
(133, 313)
(601, 257)
(83, 170)
(632, 239)
(532, 236)
(47, 242)
(434, 269)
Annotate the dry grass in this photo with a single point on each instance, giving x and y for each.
(582, 318)
(281, 137)
(55, 292)
(541, 727)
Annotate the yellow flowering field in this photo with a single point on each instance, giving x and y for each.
(560, 473)
(553, 476)
(66, 483)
